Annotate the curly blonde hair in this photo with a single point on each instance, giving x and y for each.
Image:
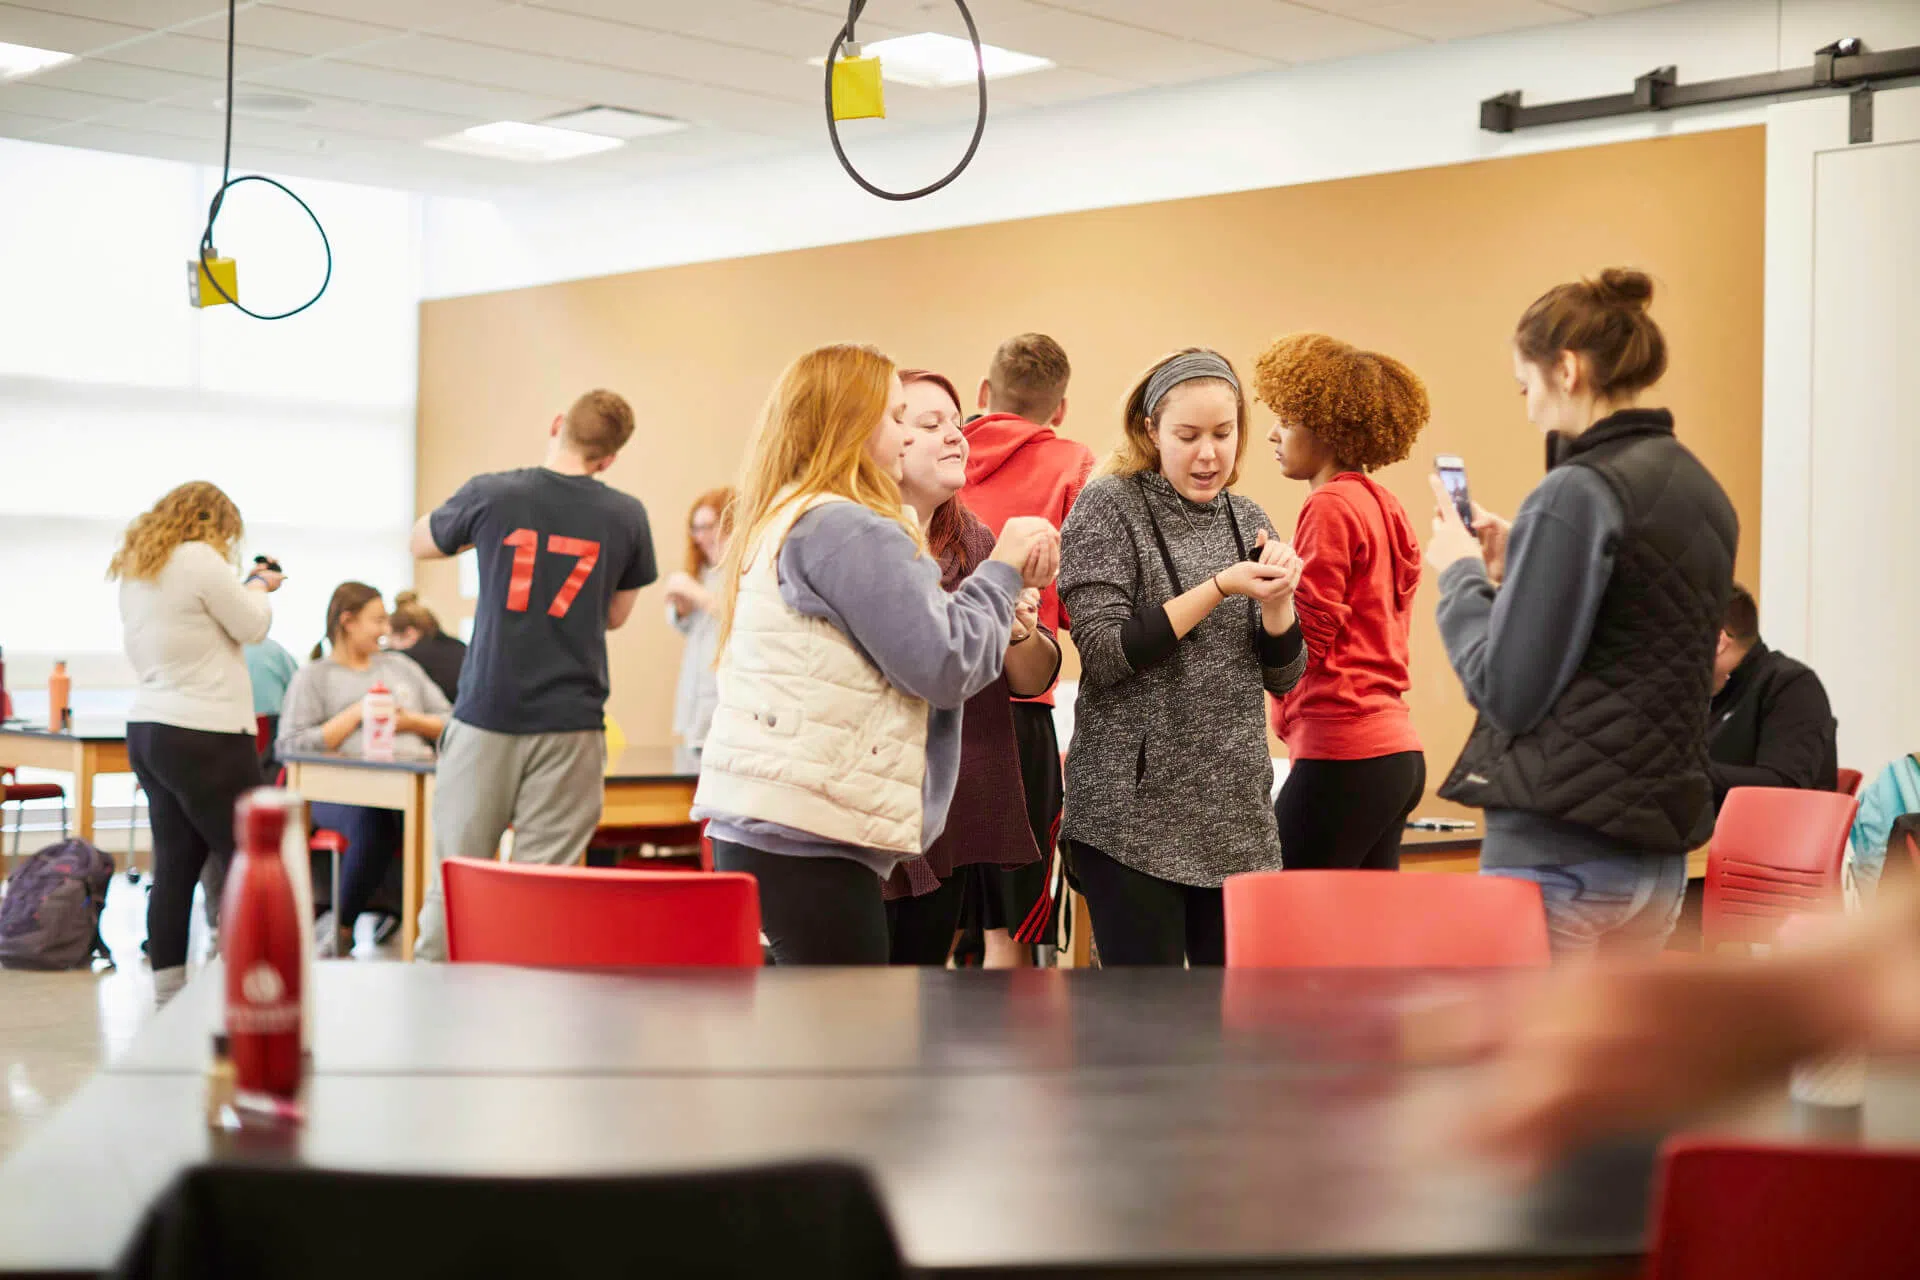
(195, 512)
(1367, 408)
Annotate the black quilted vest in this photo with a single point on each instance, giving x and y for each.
(1624, 750)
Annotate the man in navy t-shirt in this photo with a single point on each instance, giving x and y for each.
(562, 557)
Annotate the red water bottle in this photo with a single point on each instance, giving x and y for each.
(260, 944)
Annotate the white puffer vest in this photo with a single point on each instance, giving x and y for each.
(807, 732)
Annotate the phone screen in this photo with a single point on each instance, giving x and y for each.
(1453, 474)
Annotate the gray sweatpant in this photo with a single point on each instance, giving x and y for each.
(547, 786)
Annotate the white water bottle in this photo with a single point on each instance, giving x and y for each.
(377, 715)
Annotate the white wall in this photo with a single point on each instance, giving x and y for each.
(1401, 110)
(1842, 431)
(113, 390)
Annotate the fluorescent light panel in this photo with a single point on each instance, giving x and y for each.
(616, 122)
(18, 60)
(527, 143)
(930, 60)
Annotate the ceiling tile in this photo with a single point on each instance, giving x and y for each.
(635, 48)
(1062, 84)
(423, 93)
(764, 25)
(61, 104)
(586, 84)
(414, 15)
(189, 56)
(60, 32)
(1304, 35)
(1611, 6)
(1186, 19)
(1459, 19)
(291, 31)
(1092, 44)
(121, 80)
(20, 124)
(152, 14)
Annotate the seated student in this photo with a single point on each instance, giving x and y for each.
(1889, 797)
(322, 713)
(416, 632)
(987, 826)
(1771, 723)
(835, 747)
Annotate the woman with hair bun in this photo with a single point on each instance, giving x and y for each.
(1584, 632)
(1356, 770)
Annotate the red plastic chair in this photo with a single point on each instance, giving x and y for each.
(1382, 920)
(518, 913)
(1776, 852)
(1750, 1211)
(18, 793)
(1848, 782)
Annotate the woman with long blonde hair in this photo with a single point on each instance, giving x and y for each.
(690, 608)
(184, 617)
(835, 745)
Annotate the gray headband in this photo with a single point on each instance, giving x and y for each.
(1186, 368)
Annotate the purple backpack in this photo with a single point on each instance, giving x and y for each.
(50, 917)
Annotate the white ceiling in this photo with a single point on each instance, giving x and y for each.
(384, 75)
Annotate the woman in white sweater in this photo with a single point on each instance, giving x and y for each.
(184, 617)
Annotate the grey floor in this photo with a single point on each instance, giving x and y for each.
(57, 1029)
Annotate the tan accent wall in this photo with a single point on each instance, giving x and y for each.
(1432, 266)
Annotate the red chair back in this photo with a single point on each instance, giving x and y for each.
(262, 734)
(1848, 781)
(1382, 919)
(586, 917)
(1748, 1211)
(1776, 852)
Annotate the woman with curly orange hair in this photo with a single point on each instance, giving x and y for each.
(1356, 770)
(184, 616)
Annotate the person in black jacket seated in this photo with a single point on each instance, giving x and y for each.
(1772, 725)
(415, 631)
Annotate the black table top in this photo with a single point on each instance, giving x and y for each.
(480, 1019)
(1085, 1122)
(1213, 1170)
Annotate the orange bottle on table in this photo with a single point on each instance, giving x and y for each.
(59, 698)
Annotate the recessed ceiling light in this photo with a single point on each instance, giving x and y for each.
(529, 143)
(930, 60)
(18, 60)
(616, 122)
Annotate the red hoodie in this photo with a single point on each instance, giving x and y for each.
(1020, 468)
(1355, 602)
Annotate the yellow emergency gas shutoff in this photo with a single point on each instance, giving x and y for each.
(204, 273)
(857, 94)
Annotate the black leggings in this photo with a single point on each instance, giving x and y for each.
(824, 910)
(1142, 919)
(1339, 815)
(922, 928)
(192, 780)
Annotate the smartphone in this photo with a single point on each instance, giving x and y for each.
(1453, 474)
